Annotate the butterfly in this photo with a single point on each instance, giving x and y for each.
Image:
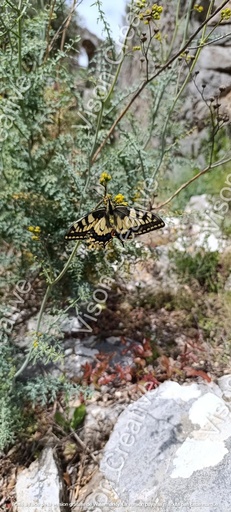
(112, 220)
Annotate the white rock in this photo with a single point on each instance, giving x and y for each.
(40, 487)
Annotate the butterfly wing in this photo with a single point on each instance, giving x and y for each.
(149, 221)
(131, 222)
(101, 233)
(93, 227)
(100, 226)
(83, 227)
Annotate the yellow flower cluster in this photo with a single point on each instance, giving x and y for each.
(135, 48)
(153, 13)
(158, 37)
(136, 196)
(186, 56)
(226, 14)
(21, 195)
(34, 229)
(141, 4)
(28, 256)
(156, 11)
(104, 178)
(198, 8)
(28, 196)
(36, 338)
(120, 199)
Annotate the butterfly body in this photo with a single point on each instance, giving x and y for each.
(121, 221)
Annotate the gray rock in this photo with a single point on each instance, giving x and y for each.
(91, 341)
(71, 325)
(73, 365)
(40, 487)
(74, 361)
(113, 340)
(99, 423)
(227, 286)
(201, 228)
(216, 58)
(198, 203)
(50, 324)
(54, 324)
(154, 275)
(225, 385)
(81, 350)
(169, 451)
(68, 352)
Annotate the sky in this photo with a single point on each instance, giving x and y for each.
(113, 9)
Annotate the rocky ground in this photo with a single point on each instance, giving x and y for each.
(160, 324)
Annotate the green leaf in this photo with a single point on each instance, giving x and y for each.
(78, 416)
(60, 420)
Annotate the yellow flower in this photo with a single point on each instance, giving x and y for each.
(35, 343)
(135, 48)
(158, 36)
(141, 4)
(156, 11)
(120, 199)
(104, 178)
(35, 237)
(136, 196)
(198, 8)
(34, 229)
(226, 14)
(29, 256)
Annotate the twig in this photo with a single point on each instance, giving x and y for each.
(143, 85)
(208, 168)
(83, 446)
(62, 27)
(49, 27)
(68, 20)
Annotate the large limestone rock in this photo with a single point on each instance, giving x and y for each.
(169, 452)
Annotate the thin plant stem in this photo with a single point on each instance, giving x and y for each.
(67, 25)
(49, 26)
(100, 116)
(177, 98)
(187, 183)
(176, 28)
(143, 84)
(43, 305)
(20, 38)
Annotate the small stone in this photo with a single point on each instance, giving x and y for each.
(91, 341)
(68, 351)
(113, 340)
(117, 394)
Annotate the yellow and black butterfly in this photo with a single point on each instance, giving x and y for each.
(112, 220)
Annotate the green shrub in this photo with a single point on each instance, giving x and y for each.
(202, 267)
